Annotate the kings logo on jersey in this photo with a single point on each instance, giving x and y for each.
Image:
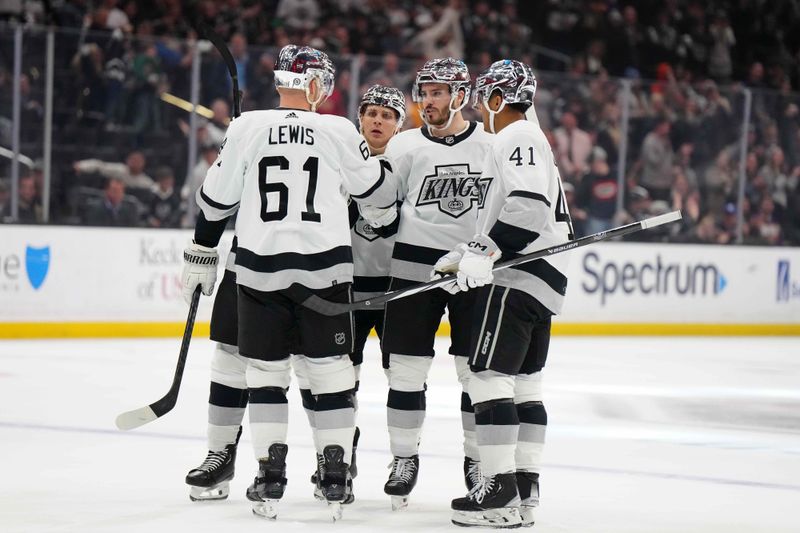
(364, 230)
(454, 189)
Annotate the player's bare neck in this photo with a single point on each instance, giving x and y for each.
(456, 127)
(506, 118)
(294, 99)
(373, 150)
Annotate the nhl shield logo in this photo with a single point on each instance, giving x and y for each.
(339, 338)
(37, 262)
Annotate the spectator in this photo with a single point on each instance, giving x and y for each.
(577, 214)
(5, 201)
(298, 14)
(657, 161)
(164, 209)
(112, 210)
(597, 192)
(208, 154)
(443, 38)
(719, 181)
(131, 172)
(29, 206)
(390, 74)
(574, 146)
(720, 65)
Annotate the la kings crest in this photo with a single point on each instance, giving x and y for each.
(454, 189)
(364, 230)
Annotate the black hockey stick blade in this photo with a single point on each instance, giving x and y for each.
(144, 415)
(216, 39)
(328, 308)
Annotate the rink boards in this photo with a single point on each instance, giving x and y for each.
(98, 282)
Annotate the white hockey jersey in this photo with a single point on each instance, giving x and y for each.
(371, 257)
(525, 211)
(285, 171)
(440, 183)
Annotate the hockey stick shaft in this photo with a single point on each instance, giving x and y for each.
(227, 57)
(143, 415)
(326, 307)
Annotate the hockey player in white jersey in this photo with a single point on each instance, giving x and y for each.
(381, 114)
(284, 171)
(525, 210)
(438, 170)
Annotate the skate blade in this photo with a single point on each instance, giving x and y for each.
(399, 503)
(267, 509)
(219, 491)
(335, 509)
(318, 494)
(528, 515)
(502, 518)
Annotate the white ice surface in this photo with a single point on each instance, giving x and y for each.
(645, 435)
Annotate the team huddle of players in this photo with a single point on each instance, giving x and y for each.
(327, 210)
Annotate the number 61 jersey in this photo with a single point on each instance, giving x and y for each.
(285, 171)
(526, 211)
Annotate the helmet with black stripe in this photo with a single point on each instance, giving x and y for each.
(298, 65)
(390, 97)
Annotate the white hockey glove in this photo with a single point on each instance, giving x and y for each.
(448, 264)
(199, 268)
(378, 216)
(475, 267)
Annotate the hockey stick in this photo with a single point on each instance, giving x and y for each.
(143, 415)
(325, 307)
(215, 38)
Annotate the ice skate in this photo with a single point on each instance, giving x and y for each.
(528, 485)
(210, 480)
(334, 480)
(494, 503)
(353, 472)
(268, 486)
(402, 478)
(472, 473)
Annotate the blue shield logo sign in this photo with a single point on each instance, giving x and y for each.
(37, 262)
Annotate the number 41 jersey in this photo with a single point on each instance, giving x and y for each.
(285, 171)
(525, 211)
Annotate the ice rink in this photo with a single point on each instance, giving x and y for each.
(645, 435)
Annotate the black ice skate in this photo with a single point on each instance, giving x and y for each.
(494, 502)
(528, 485)
(268, 486)
(353, 472)
(402, 478)
(334, 479)
(211, 480)
(472, 473)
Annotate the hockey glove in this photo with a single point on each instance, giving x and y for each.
(448, 264)
(475, 267)
(378, 216)
(199, 268)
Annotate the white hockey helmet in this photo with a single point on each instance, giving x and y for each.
(515, 81)
(298, 65)
(383, 96)
(452, 72)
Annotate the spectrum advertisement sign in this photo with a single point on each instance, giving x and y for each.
(668, 283)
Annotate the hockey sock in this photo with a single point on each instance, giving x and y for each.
(309, 405)
(226, 407)
(530, 443)
(335, 420)
(468, 424)
(405, 415)
(496, 429)
(269, 416)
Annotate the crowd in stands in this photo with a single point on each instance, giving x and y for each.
(677, 69)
